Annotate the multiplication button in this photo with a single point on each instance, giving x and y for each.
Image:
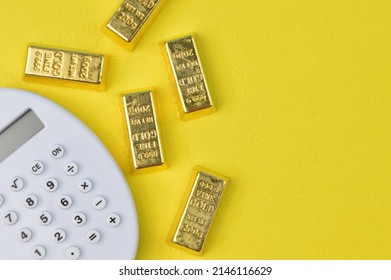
(113, 219)
(71, 168)
(37, 167)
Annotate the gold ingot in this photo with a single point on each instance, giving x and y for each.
(143, 131)
(193, 223)
(193, 98)
(132, 18)
(64, 65)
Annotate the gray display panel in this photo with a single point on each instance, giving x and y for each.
(18, 132)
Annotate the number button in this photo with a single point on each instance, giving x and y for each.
(10, 218)
(37, 168)
(99, 202)
(50, 185)
(1, 200)
(79, 219)
(45, 218)
(38, 252)
(72, 253)
(59, 236)
(93, 236)
(57, 151)
(71, 168)
(31, 201)
(25, 235)
(65, 202)
(113, 219)
(85, 185)
(17, 184)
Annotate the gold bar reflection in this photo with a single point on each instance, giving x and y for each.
(194, 96)
(143, 130)
(199, 211)
(64, 65)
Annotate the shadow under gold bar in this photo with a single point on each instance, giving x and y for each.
(45, 64)
(192, 225)
(131, 19)
(193, 97)
(143, 131)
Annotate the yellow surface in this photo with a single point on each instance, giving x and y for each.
(302, 127)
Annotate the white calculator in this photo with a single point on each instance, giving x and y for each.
(62, 196)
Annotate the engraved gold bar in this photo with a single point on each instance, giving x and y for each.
(143, 131)
(66, 65)
(132, 18)
(193, 97)
(200, 208)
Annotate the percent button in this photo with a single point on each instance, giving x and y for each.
(71, 168)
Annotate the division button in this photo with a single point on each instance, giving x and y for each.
(71, 168)
(31, 201)
(38, 252)
(93, 236)
(50, 185)
(85, 185)
(17, 184)
(10, 218)
(99, 202)
(113, 219)
(59, 235)
(72, 253)
(57, 151)
(25, 235)
(37, 167)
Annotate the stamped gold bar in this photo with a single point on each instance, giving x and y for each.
(193, 92)
(143, 130)
(133, 17)
(64, 65)
(200, 208)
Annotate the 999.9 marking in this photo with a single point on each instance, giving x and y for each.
(242, 271)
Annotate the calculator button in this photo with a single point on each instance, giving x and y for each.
(64, 201)
(37, 168)
(71, 168)
(25, 235)
(1, 200)
(99, 202)
(72, 253)
(50, 185)
(45, 218)
(17, 184)
(59, 236)
(38, 252)
(113, 219)
(93, 236)
(31, 201)
(57, 151)
(85, 185)
(79, 219)
(10, 218)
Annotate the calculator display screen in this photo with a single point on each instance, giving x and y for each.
(18, 133)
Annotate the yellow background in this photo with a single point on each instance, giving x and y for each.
(302, 128)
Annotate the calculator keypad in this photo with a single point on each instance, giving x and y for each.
(77, 219)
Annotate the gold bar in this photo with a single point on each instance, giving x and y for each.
(133, 17)
(143, 130)
(64, 65)
(194, 96)
(200, 208)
